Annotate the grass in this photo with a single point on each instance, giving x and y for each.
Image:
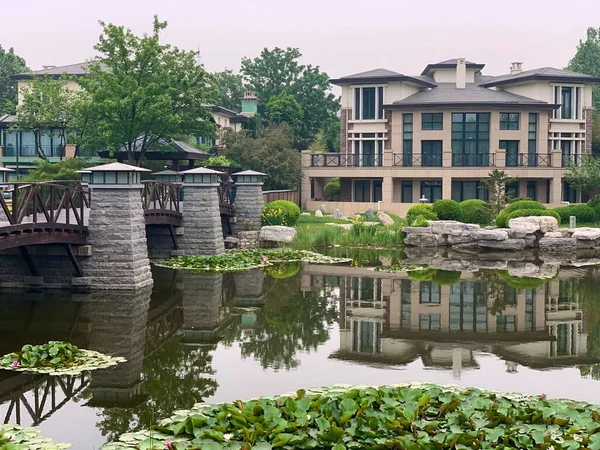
(312, 219)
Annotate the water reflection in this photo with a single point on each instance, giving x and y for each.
(199, 337)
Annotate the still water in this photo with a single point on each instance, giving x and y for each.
(217, 338)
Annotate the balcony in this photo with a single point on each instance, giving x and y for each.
(28, 151)
(568, 160)
(529, 160)
(417, 160)
(473, 159)
(345, 160)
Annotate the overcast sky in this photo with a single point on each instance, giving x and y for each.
(341, 36)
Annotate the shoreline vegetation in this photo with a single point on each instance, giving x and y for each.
(411, 416)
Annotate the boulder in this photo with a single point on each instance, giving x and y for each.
(517, 233)
(530, 241)
(491, 235)
(534, 223)
(586, 234)
(508, 244)
(318, 213)
(585, 244)
(533, 270)
(422, 240)
(553, 235)
(454, 240)
(231, 242)
(369, 213)
(452, 227)
(552, 244)
(277, 233)
(336, 213)
(417, 230)
(324, 209)
(385, 219)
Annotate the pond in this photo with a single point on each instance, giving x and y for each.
(212, 338)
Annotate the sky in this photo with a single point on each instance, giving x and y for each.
(340, 36)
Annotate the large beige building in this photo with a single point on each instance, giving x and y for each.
(436, 135)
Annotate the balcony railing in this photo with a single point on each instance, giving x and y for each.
(567, 160)
(529, 160)
(345, 160)
(28, 151)
(473, 160)
(417, 160)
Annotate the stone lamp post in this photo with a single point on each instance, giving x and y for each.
(249, 200)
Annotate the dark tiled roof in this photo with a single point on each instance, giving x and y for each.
(473, 94)
(78, 69)
(449, 64)
(377, 73)
(544, 73)
(382, 75)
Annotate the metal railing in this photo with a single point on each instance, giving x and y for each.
(568, 160)
(29, 151)
(346, 160)
(529, 160)
(417, 160)
(473, 159)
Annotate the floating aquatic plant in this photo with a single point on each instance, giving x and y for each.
(417, 416)
(15, 437)
(56, 358)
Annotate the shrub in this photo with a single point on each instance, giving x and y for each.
(420, 210)
(503, 218)
(475, 211)
(280, 212)
(332, 189)
(420, 221)
(446, 209)
(583, 213)
(523, 204)
(446, 277)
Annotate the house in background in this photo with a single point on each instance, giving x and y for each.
(439, 133)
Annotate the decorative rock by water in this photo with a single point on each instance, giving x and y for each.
(508, 244)
(536, 223)
(452, 227)
(277, 233)
(557, 244)
(491, 235)
(385, 219)
(422, 239)
(586, 234)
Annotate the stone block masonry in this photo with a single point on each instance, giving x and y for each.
(249, 203)
(117, 233)
(203, 233)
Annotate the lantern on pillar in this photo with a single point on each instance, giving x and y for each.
(4, 171)
(201, 176)
(114, 175)
(168, 176)
(249, 177)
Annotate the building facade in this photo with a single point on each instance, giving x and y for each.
(438, 134)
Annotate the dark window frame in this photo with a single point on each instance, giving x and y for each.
(432, 121)
(471, 139)
(431, 153)
(510, 120)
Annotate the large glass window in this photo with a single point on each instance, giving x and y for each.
(368, 152)
(509, 121)
(431, 153)
(429, 292)
(367, 191)
(569, 193)
(512, 152)
(407, 139)
(506, 324)
(432, 121)
(512, 190)
(466, 190)
(405, 304)
(470, 139)
(468, 307)
(566, 151)
(407, 191)
(432, 190)
(368, 103)
(532, 140)
(431, 322)
(566, 109)
(532, 190)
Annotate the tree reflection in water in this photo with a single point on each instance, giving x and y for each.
(176, 376)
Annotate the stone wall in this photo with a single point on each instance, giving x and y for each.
(249, 287)
(589, 124)
(202, 300)
(248, 204)
(345, 116)
(160, 242)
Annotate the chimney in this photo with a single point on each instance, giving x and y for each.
(461, 73)
(516, 67)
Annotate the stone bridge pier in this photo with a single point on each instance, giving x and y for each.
(202, 301)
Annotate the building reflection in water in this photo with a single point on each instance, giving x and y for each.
(393, 319)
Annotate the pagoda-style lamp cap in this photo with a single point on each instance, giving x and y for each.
(249, 177)
(168, 176)
(201, 176)
(113, 175)
(4, 173)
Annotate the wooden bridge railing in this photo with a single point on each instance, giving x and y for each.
(44, 202)
(161, 202)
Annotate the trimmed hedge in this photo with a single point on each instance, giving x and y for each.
(475, 211)
(446, 209)
(583, 213)
(420, 221)
(420, 210)
(503, 218)
(280, 212)
(332, 189)
(523, 204)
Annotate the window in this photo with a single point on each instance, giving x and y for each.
(431, 153)
(529, 309)
(22, 143)
(565, 147)
(532, 140)
(368, 103)
(468, 309)
(466, 190)
(432, 121)
(532, 190)
(407, 139)
(367, 191)
(509, 121)
(430, 322)
(506, 324)
(432, 190)
(566, 108)
(407, 191)
(569, 98)
(429, 293)
(512, 190)
(512, 152)
(569, 193)
(470, 139)
(368, 149)
(405, 304)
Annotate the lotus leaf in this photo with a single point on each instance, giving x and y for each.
(15, 437)
(414, 416)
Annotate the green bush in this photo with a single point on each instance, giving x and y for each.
(420, 210)
(280, 212)
(583, 213)
(332, 189)
(446, 277)
(446, 209)
(475, 211)
(420, 221)
(523, 204)
(503, 218)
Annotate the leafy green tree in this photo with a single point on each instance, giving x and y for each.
(231, 89)
(10, 64)
(144, 92)
(284, 108)
(586, 176)
(270, 152)
(587, 60)
(49, 103)
(331, 133)
(62, 170)
(278, 70)
(496, 186)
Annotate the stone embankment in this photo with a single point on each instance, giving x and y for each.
(523, 233)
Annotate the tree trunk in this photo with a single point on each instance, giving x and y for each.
(38, 147)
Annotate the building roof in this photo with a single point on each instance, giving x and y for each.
(380, 75)
(450, 64)
(7, 120)
(544, 73)
(202, 171)
(77, 70)
(166, 172)
(115, 167)
(446, 94)
(250, 172)
(226, 111)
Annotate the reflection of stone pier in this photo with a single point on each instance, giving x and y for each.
(203, 312)
(249, 288)
(119, 329)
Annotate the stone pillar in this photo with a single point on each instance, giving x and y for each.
(501, 158)
(388, 191)
(249, 200)
(202, 229)
(202, 306)
(588, 114)
(249, 287)
(117, 230)
(447, 187)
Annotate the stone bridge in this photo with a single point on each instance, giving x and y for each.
(101, 233)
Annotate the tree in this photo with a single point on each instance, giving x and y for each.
(67, 169)
(331, 133)
(278, 70)
(143, 92)
(587, 60)
(48, 104)
(271, 152)
(496, 186)
(284, 108)
(586, 176)
(231, 89)
(10, 64)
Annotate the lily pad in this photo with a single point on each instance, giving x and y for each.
(15, 437)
